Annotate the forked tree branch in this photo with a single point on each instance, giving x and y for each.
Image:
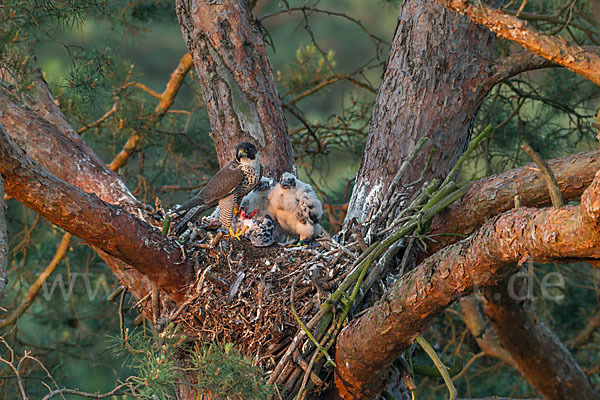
(554, 48)
(367, 346)
(107, 226)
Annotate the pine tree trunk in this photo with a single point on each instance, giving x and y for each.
(430, 88)
(237, 80)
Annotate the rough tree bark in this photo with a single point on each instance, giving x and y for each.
(107, 226)
(431, 87)
(237, 80)
(368, 345)
(495, 194)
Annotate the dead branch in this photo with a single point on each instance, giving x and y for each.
(35, 287)
(554, 48)
(549, 179)
(367, 346)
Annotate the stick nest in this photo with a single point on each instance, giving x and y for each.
(241, 295)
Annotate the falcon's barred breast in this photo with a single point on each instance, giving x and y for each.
(226, 188)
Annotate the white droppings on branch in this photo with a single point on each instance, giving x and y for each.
(364, 199)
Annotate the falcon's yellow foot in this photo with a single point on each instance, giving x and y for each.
(238, 233)
(299, 244)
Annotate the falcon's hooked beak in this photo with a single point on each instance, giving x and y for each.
(246, 150)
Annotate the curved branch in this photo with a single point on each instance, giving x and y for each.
(554, 48)
(368, 345)
(100, 224)
(515, 64)
(61, 252)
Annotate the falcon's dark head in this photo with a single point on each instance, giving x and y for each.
(245, 150)
(287, 181)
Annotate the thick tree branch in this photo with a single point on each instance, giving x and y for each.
(368, 345)
(100, 224)
(46, 142)
(495, 194)
(59, 152)
(537, 352)
(64, 154)
(553, 48)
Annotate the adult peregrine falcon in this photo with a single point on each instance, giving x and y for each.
(226, 188)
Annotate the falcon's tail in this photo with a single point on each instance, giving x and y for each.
(193, 202)
(190, 216)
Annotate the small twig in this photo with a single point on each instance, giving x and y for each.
(551, 183)
(115, 392)
(439, 364)
(114, 294)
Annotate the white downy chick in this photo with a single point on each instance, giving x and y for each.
(258, 199)
(262, 230)
(296, 207)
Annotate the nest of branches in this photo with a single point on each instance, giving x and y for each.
(284, 307)
(257, 299)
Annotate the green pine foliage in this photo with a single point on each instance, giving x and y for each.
(160, 362)
(226, 374)
(154, 361)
